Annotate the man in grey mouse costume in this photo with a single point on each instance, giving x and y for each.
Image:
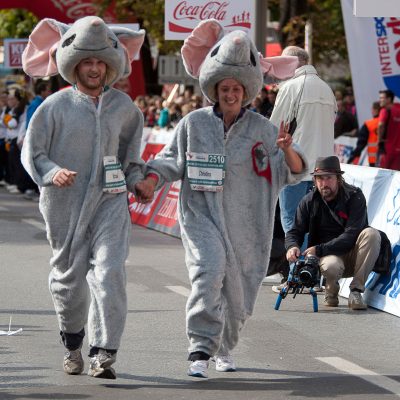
(83, 150)
(232, 163)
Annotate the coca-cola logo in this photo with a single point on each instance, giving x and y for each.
(75, 9)
(212, 9)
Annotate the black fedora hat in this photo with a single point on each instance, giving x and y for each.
(327, 166)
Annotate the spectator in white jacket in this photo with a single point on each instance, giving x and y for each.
(311, 102)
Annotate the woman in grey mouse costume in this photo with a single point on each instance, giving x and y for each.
(232, 163)
(83, 150)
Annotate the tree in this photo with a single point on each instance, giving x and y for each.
(329, 42)
(16, 23)
(149, 16)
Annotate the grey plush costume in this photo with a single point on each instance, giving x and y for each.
(88, 229)
(226, 235)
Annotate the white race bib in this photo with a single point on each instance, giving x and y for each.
(206, 172)
(114, 179)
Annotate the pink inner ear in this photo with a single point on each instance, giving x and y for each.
(198, 44)
(132, 45)
(37, 58)
(281, 67)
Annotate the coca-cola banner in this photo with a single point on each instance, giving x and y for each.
(181, 16)
(61, 10)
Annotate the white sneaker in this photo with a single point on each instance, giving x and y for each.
(224, 364)
(100, 365)
(198, 369)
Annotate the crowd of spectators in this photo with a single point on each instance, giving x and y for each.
(17, 104)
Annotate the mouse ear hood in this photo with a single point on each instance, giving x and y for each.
(211, 56)
(198, 44)
(38, 58)
(58, 48)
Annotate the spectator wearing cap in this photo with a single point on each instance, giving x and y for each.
(334, 215)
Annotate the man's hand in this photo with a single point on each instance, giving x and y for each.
(293, 254)
(311, 251)
(284, 139)
(145, 190)
(64, 178)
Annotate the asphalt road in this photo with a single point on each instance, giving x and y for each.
(292, 353)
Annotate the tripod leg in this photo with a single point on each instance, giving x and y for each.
(315, 300)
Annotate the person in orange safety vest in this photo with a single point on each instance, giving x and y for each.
(368, 136)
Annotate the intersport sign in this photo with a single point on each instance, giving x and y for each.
(181, 16)
(374, 52)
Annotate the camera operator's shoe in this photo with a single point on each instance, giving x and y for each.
(356, 301)
(73, 362)
(224, 363)
(331, 301)
(198, 369)
(100, 365)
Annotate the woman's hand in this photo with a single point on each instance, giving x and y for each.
(145, 190)
(284, 139)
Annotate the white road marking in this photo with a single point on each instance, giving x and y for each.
(36, 224)
(180, 290)
(3, 209)
(370, 376)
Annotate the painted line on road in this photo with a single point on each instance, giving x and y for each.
(180, 290)
(36, 224)
(4, 209)
(370, 376)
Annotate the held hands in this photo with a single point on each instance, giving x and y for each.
(284, 139)
(145, 190)
(64, 178)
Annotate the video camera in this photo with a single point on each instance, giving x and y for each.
(305, 273)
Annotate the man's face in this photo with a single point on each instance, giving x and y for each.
(91, 75)
(383, 100)
(327, 185)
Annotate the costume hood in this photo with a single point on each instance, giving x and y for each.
(211, 56)
(54, 47)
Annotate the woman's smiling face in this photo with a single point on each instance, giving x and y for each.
(230, 94)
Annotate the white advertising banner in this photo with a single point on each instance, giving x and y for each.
(13, 49)
(381, 188)
(182, 16)
(374, 51)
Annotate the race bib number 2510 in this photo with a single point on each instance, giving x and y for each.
(206, 172)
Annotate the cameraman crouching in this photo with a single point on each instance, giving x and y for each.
(334, 215)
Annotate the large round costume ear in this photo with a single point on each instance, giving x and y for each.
(38, 57)
(198, 44)
(280, 67)
(131, 41)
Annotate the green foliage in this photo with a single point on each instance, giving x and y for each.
(328, 38)
(16, 23)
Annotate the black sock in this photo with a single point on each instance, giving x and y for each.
(198, 355)
(72, 341)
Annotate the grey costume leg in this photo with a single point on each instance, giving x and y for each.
(110, 234)
(361, 259)
(204, 311)
(230, 336)
(69, 289)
